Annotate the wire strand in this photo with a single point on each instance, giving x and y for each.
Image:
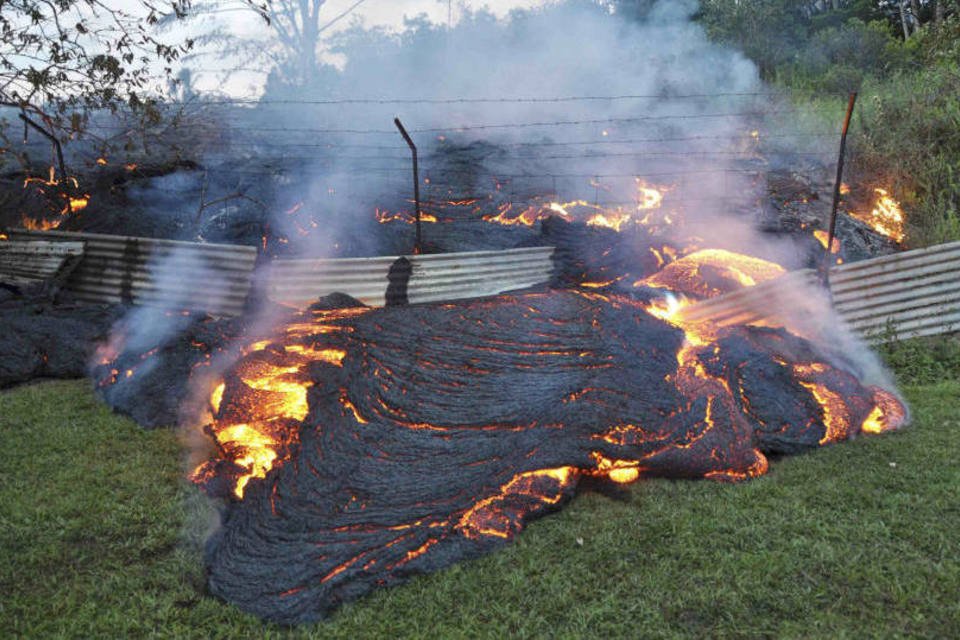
(487, 100)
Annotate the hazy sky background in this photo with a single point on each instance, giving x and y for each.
(391, 12)
(372, 13)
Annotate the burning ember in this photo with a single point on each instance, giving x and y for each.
(362, 446)
(384, 217)
(886, 218)
(824, 236)
(63, 191)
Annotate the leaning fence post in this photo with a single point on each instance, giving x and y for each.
(836, 189)
(417, 249)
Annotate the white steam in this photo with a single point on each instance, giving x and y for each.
(575, 101)
(578, 99)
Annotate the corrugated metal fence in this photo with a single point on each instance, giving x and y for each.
(23, 263)
(161, 273)
(904, 295)
(914, 293)
(434, 278)
(217, 278)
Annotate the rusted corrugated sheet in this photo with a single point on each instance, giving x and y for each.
(25, 262)
(434, 278)
(904, 295)
(752, 304)
(161, 273)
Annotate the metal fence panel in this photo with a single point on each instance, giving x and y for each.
(24, 262)
(904, 295)
(913, 293)
(162, 273)
(434, 278)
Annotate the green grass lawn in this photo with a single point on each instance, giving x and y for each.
(101, 537)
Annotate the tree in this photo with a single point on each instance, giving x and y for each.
(769, 31)
(60, 59)
(632, 9)
(292, 55)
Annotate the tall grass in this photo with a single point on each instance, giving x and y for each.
(910, 137)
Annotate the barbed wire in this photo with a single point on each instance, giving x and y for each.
(542, 198)
(508, 125)
(746, 155)
(485, 100)
(279, 144)
(355, 162)
(425, 171)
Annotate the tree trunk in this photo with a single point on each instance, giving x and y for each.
(915, 13)
(904, 20)
(939, 12)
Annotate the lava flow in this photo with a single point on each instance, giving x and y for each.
(649, 200)
(257, 415)
(362, 446)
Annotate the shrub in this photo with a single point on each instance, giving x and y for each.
(910, 137)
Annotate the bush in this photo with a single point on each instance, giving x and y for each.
(923, 360)
(906, 132)
(838, 59)
(909, 137)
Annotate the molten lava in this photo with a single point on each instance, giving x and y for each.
(384, 217)
(649, 199)
(823, 237)
(269, 398)
(358, 447)
(710, 272)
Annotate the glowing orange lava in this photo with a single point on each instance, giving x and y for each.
(610, 219)
(888, 413)
(527, 217)
(710, 272)
(488, 518)
(384, 217)
(269, 392)
(71, 203)
(649, 198)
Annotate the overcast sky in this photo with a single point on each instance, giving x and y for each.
(391, 12)
(373, 13)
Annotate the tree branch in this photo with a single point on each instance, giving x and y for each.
(53, 140)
